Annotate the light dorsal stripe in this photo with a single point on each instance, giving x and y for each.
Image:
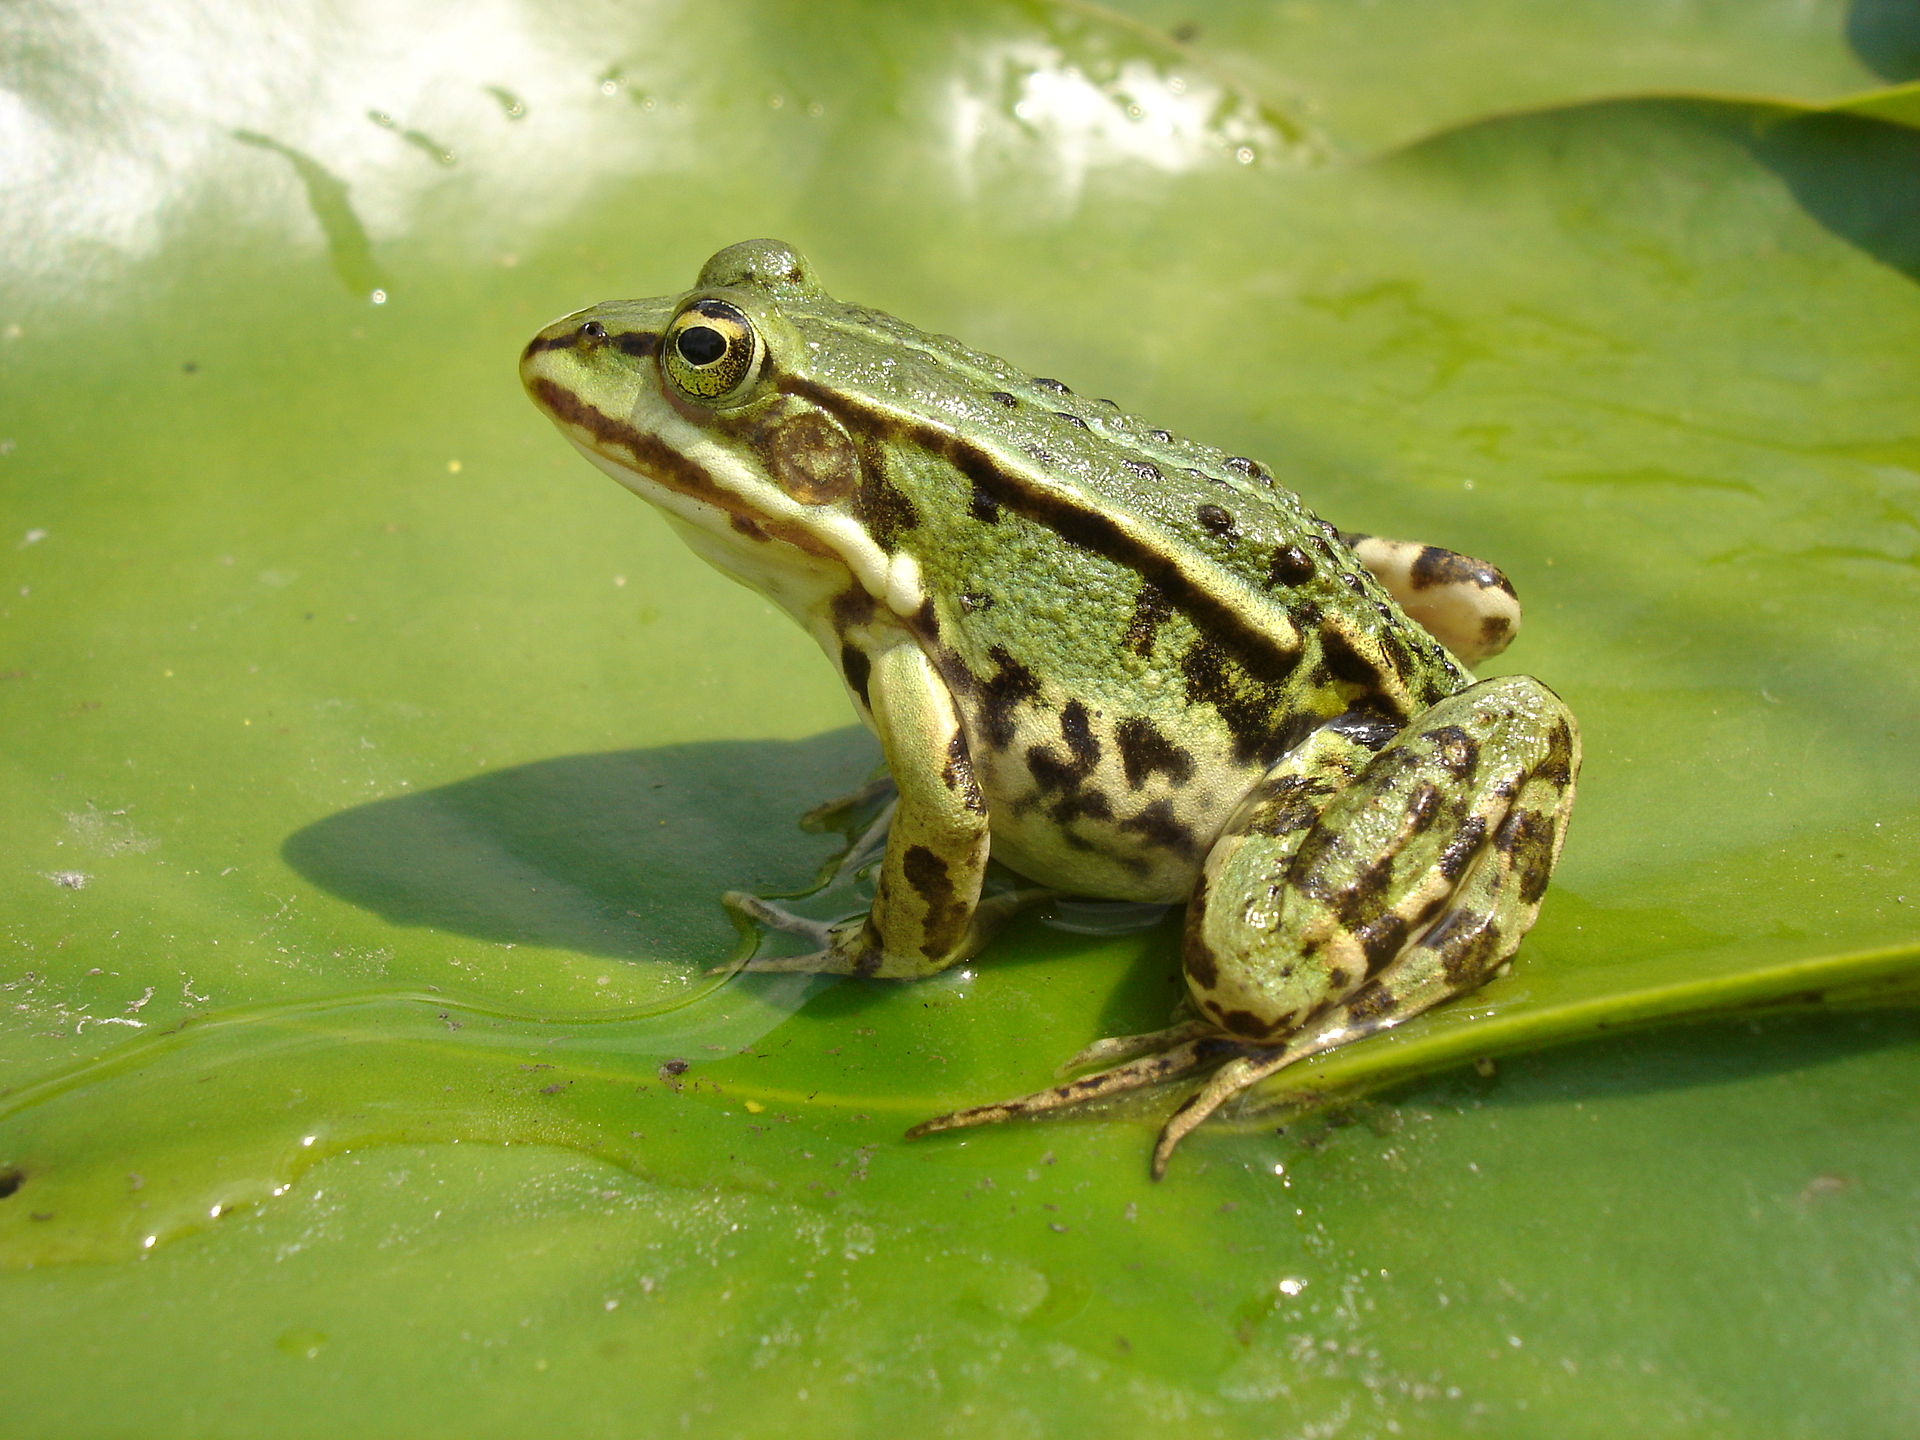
(1268, 644)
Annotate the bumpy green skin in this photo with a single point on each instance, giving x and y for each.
(1126, 664)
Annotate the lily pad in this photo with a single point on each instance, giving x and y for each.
(373, 767)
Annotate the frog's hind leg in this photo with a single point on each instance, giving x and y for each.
(1280, 810)
(1464, 603)
(1413, 885)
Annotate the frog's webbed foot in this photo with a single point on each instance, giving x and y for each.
(831, 814)
(835, 951)
(849, 947)
(1240, 1073)
(1203, 1048)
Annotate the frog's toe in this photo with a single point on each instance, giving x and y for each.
(1133, 1075)
(1229, 1080)
(819, 962)
(1124, 1047)
(776, 917)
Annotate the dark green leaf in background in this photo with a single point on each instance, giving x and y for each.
(372, 767)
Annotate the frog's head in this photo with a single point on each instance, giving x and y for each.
(700, 404)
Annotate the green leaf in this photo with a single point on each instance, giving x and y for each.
(373, 767)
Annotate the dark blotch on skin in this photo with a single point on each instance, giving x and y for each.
(748, 526)
(1454, 751)
(1241, 1022)
(1046, 382)
(946, 912)
(1375, 1002)
(1212, 679)
(1158, 825)
(1002, 693)
(1195, 956)
(1001, 397)
(1462, 848)
(1363, 899)
(1423, 808)
(1244, 465)
(1466, 942)
(852, 607)
(975, 600)
(1216, 518)
(1558, 765)
(855, 665)
(1070, 419)
(927, 873)
(957, 775)
(11, 1181)
(1290, 566)
(1150, 610)
(1434, 566)
(1049, 771)
(1146, 470)
(882, 505)
(1161, 436)
(1076, 728)
(1344, 662)
(1144, 751)
(1289, 806)
(1081, 805)
(1534, 867)
(983, 506)
(1381, 940)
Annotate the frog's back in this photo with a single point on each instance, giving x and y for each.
(1135, 625)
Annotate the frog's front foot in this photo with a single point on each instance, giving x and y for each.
(840, 947)
(853, 946)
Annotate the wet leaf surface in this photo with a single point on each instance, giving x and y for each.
(373, 767)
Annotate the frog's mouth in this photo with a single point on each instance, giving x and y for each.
(667, 475)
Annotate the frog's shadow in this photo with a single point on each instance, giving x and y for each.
(621, 854)
(624, 854)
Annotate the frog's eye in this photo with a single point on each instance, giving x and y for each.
(712, 352)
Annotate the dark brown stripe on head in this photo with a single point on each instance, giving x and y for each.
(660, 461)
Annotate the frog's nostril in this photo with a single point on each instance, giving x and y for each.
(593, 330)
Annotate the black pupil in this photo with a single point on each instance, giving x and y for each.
(701, 344)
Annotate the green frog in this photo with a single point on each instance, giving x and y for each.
(1123, 663)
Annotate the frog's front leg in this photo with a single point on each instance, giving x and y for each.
(1326, 917)
(926, 911)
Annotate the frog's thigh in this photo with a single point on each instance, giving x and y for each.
(1464, 603)
(1410, 885)
(928, 893)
